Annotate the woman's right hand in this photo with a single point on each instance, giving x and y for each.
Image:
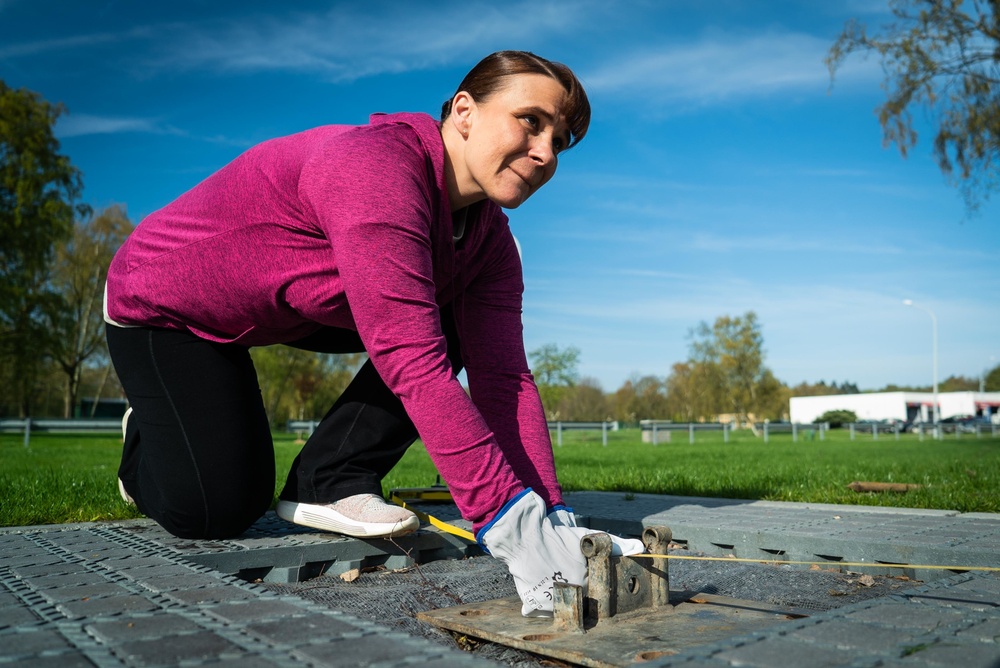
(536, 552)
(540, 549)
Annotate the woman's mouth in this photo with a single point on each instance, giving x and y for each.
(526, 179)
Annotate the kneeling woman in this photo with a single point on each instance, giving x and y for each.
(386, 238)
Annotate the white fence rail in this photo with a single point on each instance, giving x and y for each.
(603, 427)
(935, 432)
(653, 431)
(59, 426)
(810, 430)
(307, 427)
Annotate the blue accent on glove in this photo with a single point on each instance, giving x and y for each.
(500, 513)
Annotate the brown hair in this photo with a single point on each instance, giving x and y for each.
(487, 77)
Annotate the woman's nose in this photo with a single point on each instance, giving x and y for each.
(542, 151)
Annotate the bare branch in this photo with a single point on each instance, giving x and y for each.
(937, 56)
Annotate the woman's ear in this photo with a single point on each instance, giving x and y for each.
(462, 108)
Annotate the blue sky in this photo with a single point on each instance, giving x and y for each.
(722, 172)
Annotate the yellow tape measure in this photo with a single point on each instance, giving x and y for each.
(467, 535)
(776, 562)
(435, 522)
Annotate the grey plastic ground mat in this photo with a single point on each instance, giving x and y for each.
(128, 594)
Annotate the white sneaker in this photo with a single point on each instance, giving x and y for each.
(128, 412)
(121, 487)
(125, 497)
(361, 515)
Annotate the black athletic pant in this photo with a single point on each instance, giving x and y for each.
(198, 456)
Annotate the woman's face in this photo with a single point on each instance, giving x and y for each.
(513, 138)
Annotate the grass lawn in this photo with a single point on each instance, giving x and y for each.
(72, 478)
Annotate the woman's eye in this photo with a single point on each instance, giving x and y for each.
(531, 120)
(557, 145)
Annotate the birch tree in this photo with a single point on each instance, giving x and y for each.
(76, 319)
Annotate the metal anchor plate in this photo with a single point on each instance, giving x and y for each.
(627, 615)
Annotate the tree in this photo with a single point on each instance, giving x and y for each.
(822, 389)
(38, 189)
(321, 382)
(76, 319)
(731, 352)
(694, 392)
(836, 418)
(552, 366)
(992, 380)
(584, 402)
(773, 398)
(300, 384)
(943, 55)
(555, 370)
(892, 387)
(959, 384)
(641, 398)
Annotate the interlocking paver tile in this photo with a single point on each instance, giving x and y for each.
(32, 641)
(984, 631)
(951, 654)
(16, 617)
(357, 651)
(170, 651)
(258, 610)
(908, 616)
(72, 659)
(780, 653)
(105, 607)
(62, 580)
(84, 592)
(851, 635)
(303, 631)
(215, 594)
(188, 580)
(138, 627)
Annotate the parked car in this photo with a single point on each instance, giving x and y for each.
(882, 426)
(962, 423)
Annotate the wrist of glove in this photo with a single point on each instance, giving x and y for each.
(540, 548)
(561, 515)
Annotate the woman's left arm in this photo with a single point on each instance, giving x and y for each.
(488, 318)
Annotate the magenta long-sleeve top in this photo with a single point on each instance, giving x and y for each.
(351, 226)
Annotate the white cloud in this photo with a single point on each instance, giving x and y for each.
(784, 244)
(722, 67)
(344, 43)
(76, 125)
(79, 125)
(348, 43)
(70, 43)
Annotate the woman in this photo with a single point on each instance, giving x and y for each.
(386, 238)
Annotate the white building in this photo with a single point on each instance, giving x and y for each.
(907, 406)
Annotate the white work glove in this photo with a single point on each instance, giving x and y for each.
(535, 551)
(540, 549)
(563, 516)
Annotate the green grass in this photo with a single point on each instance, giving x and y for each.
(962, 474)
(72, 478)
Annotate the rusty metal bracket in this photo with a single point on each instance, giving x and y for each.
(626, 614)
(615, 585)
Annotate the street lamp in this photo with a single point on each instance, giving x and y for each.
(910, 302)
